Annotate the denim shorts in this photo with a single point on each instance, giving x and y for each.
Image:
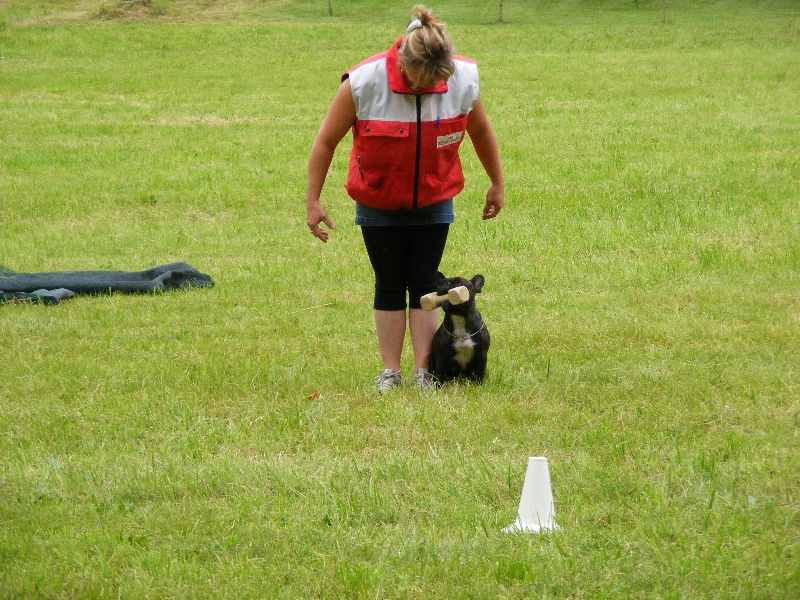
(435, 214)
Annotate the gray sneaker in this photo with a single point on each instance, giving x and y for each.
(424, 380)
(388, 380)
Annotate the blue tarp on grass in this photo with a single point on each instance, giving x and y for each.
(52, 287)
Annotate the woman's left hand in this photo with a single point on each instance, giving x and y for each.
(495, 197)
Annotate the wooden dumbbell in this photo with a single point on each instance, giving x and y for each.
(457, 295)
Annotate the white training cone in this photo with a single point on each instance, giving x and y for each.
(536, 511)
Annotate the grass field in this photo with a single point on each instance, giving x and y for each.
(642, 291)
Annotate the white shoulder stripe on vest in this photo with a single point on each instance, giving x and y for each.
(375, 101)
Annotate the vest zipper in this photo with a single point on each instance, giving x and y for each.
(419, 151)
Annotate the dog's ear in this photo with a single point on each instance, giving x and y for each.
(477, 283)
(439, 276)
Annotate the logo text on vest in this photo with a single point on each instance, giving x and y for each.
(447, 140)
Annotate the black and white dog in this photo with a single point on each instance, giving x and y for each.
(461, 344)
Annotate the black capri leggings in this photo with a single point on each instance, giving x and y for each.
(404, 258)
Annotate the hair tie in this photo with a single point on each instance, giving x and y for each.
(413, 24)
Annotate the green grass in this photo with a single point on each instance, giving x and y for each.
(643, 295)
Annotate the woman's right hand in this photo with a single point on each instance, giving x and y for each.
(315, 214)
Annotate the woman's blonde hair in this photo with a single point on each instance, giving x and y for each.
(427, 49)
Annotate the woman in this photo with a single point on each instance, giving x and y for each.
(408, 108)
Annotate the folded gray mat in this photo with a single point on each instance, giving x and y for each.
(43, 296)
(56, 285)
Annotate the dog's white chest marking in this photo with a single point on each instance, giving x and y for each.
(462, 343)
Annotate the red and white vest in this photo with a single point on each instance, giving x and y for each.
(405, 143)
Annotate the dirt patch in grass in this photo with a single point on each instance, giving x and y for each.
(126, 9)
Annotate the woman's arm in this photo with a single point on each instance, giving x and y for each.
(340, 118)
(485, 143)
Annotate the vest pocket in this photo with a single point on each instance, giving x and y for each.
(381, 148)
(443, 166)
(392, 129)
